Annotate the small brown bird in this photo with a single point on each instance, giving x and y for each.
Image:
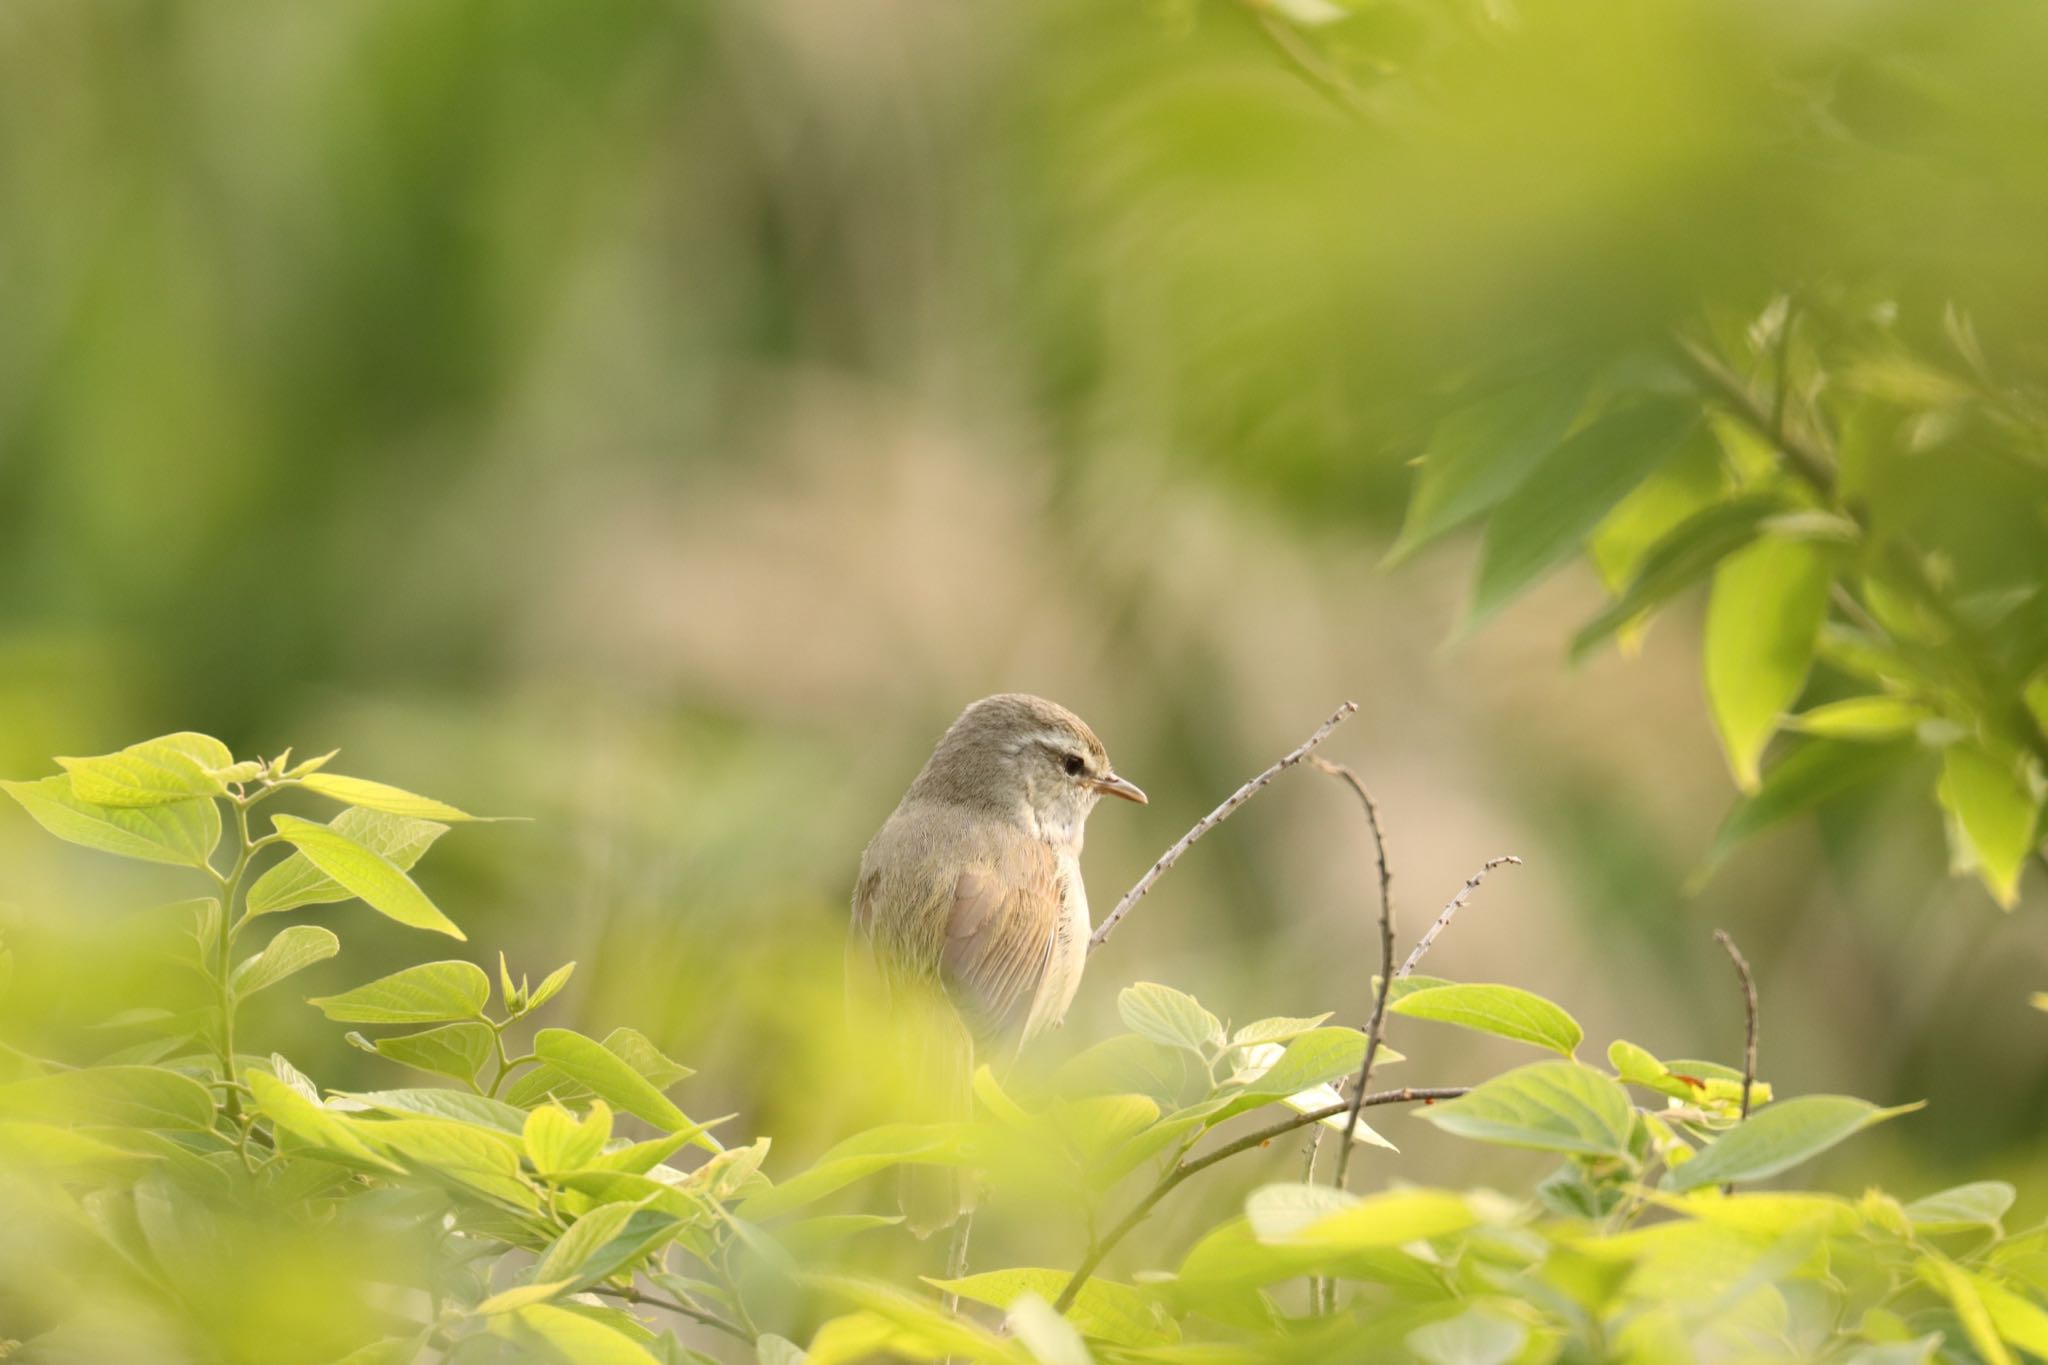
(970, 906)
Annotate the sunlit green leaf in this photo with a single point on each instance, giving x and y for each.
(557, 1140)
(570, 1338)
(130, 1096)
(1816, 771)
(457, 1105)
(1168, 1016)
(549, 986)
(1504, 1011)
(454, 1050)
(1278, 1029)
(1965, 1296)
(1553, 1106)
(1473, 1337)
(155, 772)
(1779, 1137)
(182, 833)
(1867, 718)
(426, 994)
(1997, 813)
(295, 881)
(1763, 616)
(475, 1158)
(356, 791)
(1684, 556)
(861, 1155)
(310, 1122)
(292, 950)
(606, 1240)
(589, 1063)
(1104, 1309)
(1977, 1205)
(370, 876)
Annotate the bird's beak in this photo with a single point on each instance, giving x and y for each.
(1116, 786)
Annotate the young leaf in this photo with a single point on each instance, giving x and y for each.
(1779, 1137)
(1551, 1106)
(1763, 617)
(1683, 557)
(457, 1105)
(863, 1154)
(1391, 1219)
(292, 950)
(1876, 717)
(550, 984)
(557, 1141)
(475, 1158)
(294, 881)
(1504, 1011)
(309, 1122)
(355, 791)
(182, 833)
(454, 1050)
(590, 1063)
(1962, 1209)
(426, 994)
(1483, 452)
(1996, 811)
(1168, 1016)
(1275, 1030)
(604, 1241)
(1569, 492)
(368, 875)
(155, 772)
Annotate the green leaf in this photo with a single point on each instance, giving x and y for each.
(604, 1241)
(1763, 617)
(1551, 1106)
(426, 994)
(1819, 770)
(478, 1159)
(549, 986)
(1779, 1137)
(117, 1096)
(1483, 452)
(570, 1337)
(155, 772)
(1168, 1016)
(1504, 1011)
(1278, 1029)
(590, 1063)
(356, 791)
(1320, 1055)
(557, 1141)
(1571, 490)
(370, 876)
(1996, 811)
(1474, 1337)
(292, 950)
(454, 1050)
(1106, 1310)
(458, 1105)
(863, 1154)
(309, 1122)
(1964, 1295)
(1963, 1208)
(182, 833)
(295, 881)
(1050, 1338)
(1293, 1216)
(1686, 554)
(1875, 717)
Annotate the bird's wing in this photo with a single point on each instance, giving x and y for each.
(1000, 932)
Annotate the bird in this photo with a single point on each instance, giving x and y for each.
(969, 909)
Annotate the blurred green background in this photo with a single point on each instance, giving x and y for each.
(659, 419)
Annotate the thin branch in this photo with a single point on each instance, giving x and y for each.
(1213, 819)
(1379, 1007)
(639, 1296)
(1183, 1170)
(1749, 1016)
(1457, 903)
(1807, 459)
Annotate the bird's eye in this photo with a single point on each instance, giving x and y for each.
(1074, 765)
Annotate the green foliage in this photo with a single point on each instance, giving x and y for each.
(531, 1227)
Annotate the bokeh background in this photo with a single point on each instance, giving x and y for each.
(659, 418)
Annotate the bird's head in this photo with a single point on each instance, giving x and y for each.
(1027, 757)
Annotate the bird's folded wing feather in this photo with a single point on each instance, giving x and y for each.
(999, 938)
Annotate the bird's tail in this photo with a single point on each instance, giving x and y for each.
(939, 1058)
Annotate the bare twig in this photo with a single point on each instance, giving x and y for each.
(1457, 903)
(1749, 1019)
(1379, 1007)
(1213, 819)
(1185, 1169)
